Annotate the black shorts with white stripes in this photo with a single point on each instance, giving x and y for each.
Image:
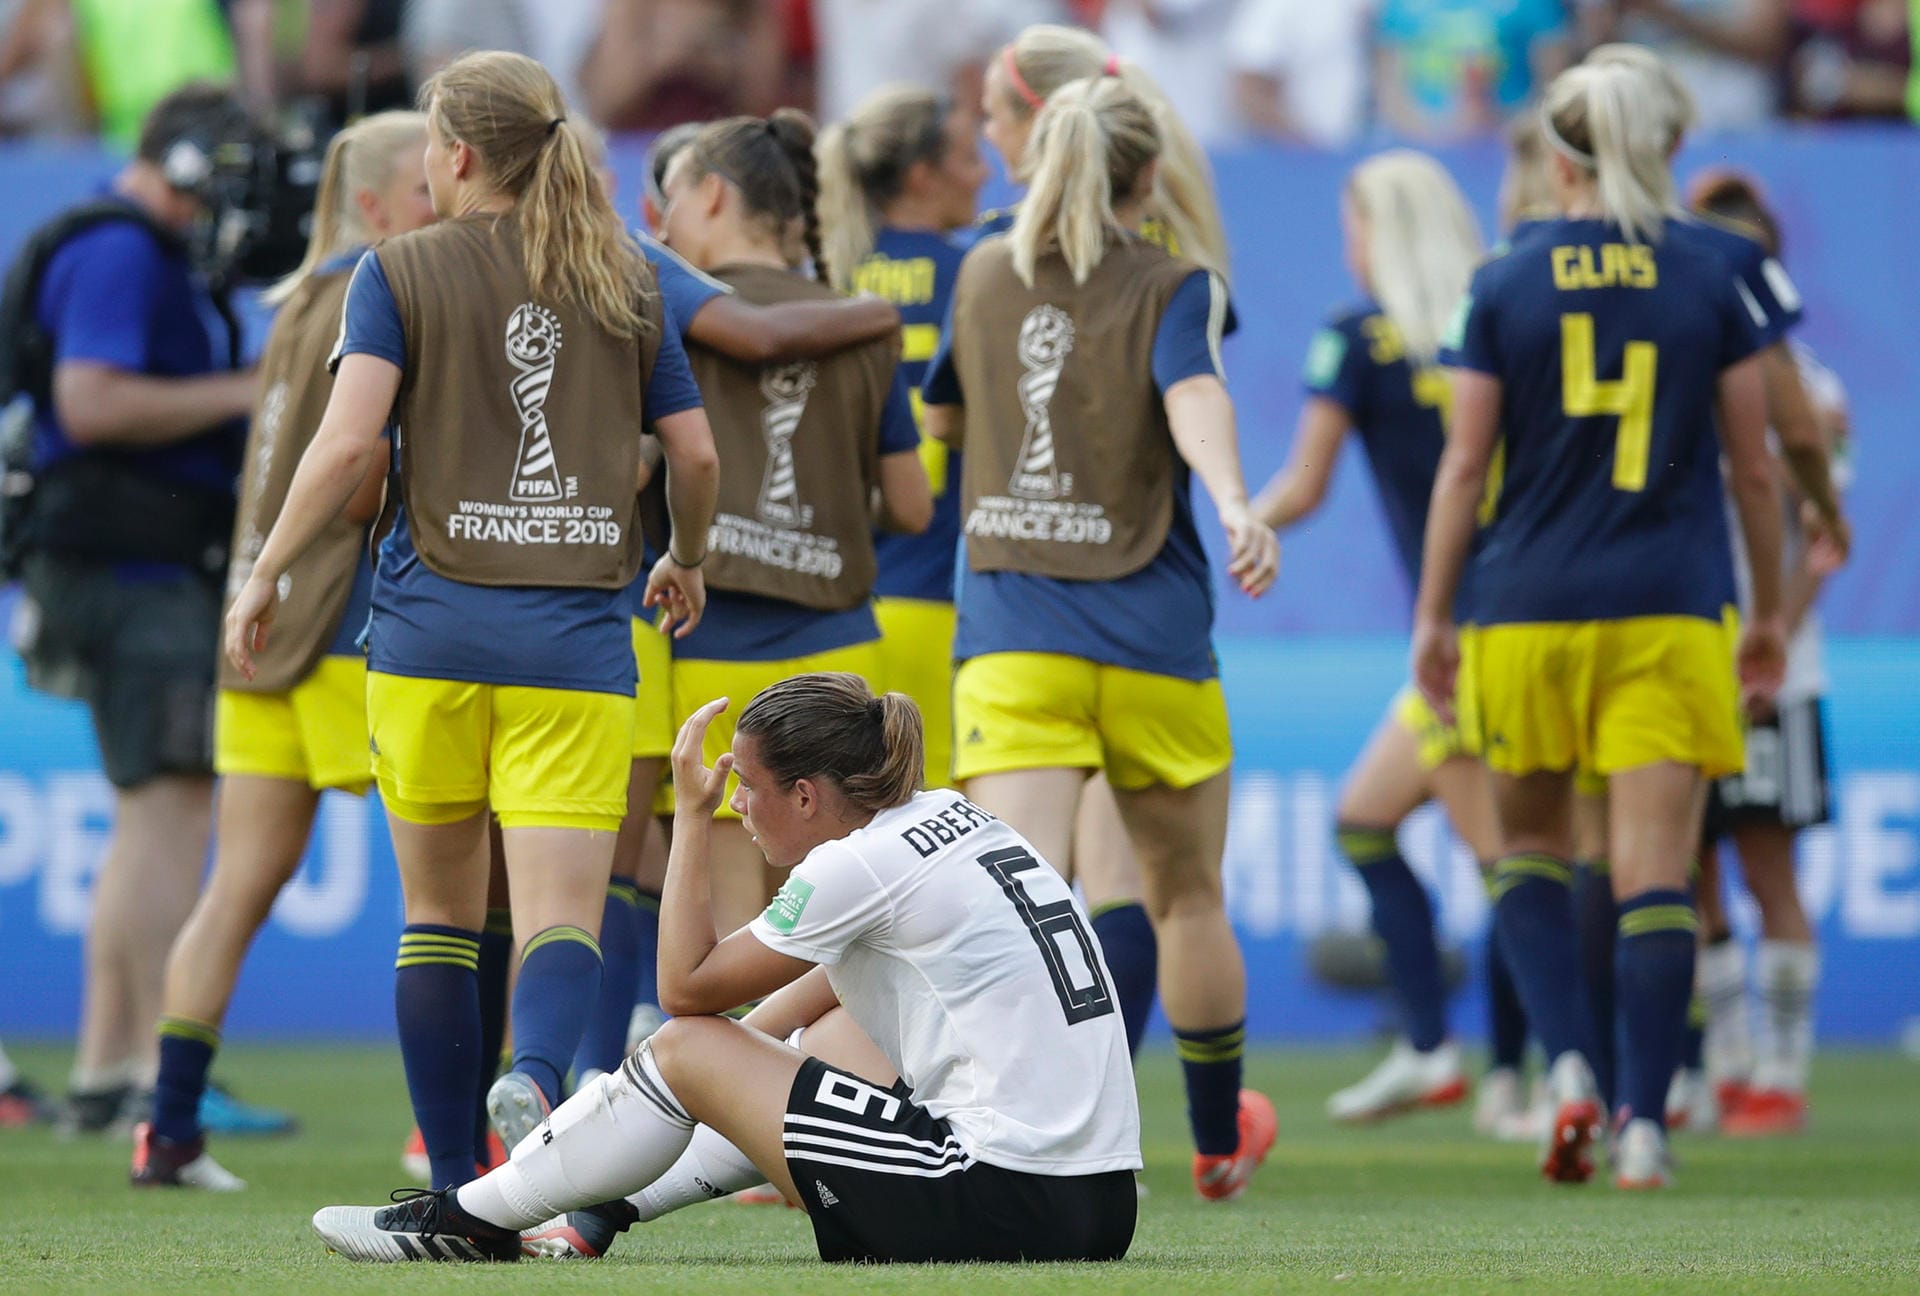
(1785, 781)
(883, 1180)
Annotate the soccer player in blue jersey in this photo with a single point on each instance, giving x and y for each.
(517, 346)
(897, 178)
(1590, 363)
(1412, 245)
(1082, 371)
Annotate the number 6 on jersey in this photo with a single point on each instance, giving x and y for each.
(1068, 950)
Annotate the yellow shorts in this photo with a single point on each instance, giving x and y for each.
(314, 733)
(539, 757)
(1021, 711)
(1606, 696)
(1437, 741)
(916, 646)
(697, 682)
(653, 727)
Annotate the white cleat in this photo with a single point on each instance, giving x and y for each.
(646, 1019)
(1500, 1100)
(1640, 1158)
(515, 1107)
(423, 1226)
(1406, 1080)
(1691, 1104)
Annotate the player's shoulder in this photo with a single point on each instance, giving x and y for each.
(1736, 241)
(669, 265)
(113, 248)
(1708, 251)
(994, 220)
(1349, 319)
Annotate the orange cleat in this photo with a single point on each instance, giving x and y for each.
(413, 1157)
(1766, 1113)
(1568, 1157)
(1222, 1178)
(1730, 1094)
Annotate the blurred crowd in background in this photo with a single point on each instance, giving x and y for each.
(1320, 72)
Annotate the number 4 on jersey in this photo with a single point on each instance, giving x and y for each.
(1629, 398)
(1066, 947)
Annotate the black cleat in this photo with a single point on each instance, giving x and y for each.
(420, 1225)
(580, 1235)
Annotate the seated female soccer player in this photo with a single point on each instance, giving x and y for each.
(960, 1090)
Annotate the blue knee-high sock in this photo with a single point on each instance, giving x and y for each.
(1133, 957)
(1693, 1045)
(1403, 919)
(1533, 918)
(1653, 980)
(648, 927)
(604, 1043)
(1597, 916)
(1506, 1018)
(559, 977)
(436, 998)
(496, 966)
(1211, 1061)
(186, 1051)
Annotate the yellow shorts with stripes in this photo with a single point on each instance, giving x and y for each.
(697, 682)
(539, 757)
(1020, 711)
(314, 733)
(1606, 696)
(1437, 741)
(653, 727)
(916, 647)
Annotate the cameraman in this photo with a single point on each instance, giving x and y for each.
(138, 429)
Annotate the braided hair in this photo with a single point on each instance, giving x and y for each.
(770, 161)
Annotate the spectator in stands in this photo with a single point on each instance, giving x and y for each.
(1446, 69)
(352, 57)
(1850, 58)
(1300, 68)
(939, 44)
(1727, 52)
(656, 63)
(1182, 45)
(556, 33)
(138, 424)
(131, 56)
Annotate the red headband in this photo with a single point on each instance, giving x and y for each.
(1020, 86)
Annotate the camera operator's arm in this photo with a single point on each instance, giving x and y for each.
(104, 405)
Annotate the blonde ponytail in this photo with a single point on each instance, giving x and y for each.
(1672, 101)
(1089, 146)
(507, 108)
(1045, 57)
(1601, 118)
(361, 157)
(1422, 244)
(863, 164)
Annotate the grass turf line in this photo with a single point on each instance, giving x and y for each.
(1416, 1205)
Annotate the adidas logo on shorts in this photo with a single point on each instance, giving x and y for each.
(975, 736)
(826, 1194)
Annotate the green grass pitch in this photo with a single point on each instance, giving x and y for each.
(1417, 1206)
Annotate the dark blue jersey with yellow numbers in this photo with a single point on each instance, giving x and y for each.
(1359, 362)
(1608, 502)
(915, 270)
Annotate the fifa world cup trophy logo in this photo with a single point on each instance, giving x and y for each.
(533, 341)
(786, 388)
(1046, 338)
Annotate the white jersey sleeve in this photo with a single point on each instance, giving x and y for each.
(829, 901)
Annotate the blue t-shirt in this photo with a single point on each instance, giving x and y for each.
(425, 624)
(1158, 619)
(746, 627)
(915, 270)
(1359, 362)
(114, 295)
(1451, 50)
(1609, 503)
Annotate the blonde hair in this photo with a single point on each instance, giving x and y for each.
(1527, 183)
(1601, 118)
(507, 109)
(1422, 244)
(1673, 102)
(1090, 144)
(361, 157)
(863, 164)
(1045, 57)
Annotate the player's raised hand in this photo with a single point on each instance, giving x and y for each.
(1436, 664)
(1253, 551)
(698, 790)
(1763, 663)
(681, 590)
(248, 620)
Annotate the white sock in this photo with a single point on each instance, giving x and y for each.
(619, 1133)
(96, 1079)
(8, 1073)
(710, 1167)
(1720, 977)
(1786, 974)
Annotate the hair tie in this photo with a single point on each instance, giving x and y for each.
(1558, 142)
(1020, 86)
(554, 125)
(1112, 68)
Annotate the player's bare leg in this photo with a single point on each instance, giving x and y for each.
(1041, 804)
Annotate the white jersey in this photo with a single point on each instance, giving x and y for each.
(968, 960)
